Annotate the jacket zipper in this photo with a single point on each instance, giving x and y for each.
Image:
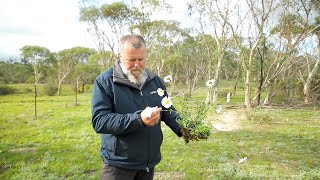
(148, 139)
(148, 146)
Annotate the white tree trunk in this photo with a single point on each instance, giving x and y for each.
(312, 74)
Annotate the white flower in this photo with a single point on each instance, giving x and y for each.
(210, 83)
(160, 92)
(166, 102)
(228, 97)
(168, 79)
(243, 160)
(219, 110)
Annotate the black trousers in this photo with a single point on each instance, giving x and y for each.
(117, 173)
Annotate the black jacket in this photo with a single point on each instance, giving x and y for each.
(116, 107)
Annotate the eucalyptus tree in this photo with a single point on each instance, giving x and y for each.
(82, 69)
(310, 81)
(261, 13)
(194, 59)
(292, 30)
(107, 23)
(261, 58)
(40, 59)
(280, 71)
(236, 45)
(65, 65)
(142, 11)
(213, 18)
(14, 72)
(164, 35)
(231, 67)
(6, 71)
(160, 35)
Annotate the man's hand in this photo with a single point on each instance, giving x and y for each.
(185, 134)
(150, 116)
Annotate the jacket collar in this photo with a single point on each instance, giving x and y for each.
(120, 77)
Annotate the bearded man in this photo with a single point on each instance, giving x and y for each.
(131, 135)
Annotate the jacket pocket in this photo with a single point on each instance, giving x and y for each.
(133, 146)
(109, 143)
(155, 144)
(121, 147)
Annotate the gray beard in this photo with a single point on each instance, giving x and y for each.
(139, 80)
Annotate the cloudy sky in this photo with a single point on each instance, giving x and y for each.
(52, 24)
(49, 23)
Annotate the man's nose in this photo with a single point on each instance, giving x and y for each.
(136, 64)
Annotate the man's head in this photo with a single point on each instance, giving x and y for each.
(133, 55)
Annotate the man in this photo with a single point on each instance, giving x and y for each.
(131, 134)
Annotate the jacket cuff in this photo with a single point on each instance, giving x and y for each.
(177, 131)
(139, 117)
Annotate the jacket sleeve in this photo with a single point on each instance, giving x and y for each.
(171, 118)
(104, 120)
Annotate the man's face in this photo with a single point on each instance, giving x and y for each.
(133, 60)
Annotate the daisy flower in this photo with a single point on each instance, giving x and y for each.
(210, 83)
(166, 102)
(168, 79)
(160, 92)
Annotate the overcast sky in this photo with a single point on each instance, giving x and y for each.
(52, 24)
(49, 23)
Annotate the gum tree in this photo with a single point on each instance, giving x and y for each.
(81, 70)
(39, 58)
(260, 13)
(64, 66)
(214, 18)
(107, 23)
(315, 5)
(294, 26)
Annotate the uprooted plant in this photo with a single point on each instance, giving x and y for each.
(194, 126)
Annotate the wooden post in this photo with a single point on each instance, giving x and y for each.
(35, 99)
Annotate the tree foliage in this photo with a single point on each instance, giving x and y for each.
(271, 44)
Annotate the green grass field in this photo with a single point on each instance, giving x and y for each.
(61, 143)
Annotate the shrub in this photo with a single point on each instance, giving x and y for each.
(27, 90)
(4, 89)
(50, 89)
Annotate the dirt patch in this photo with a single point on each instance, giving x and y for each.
(228, 120)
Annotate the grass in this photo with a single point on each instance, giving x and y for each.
(54, 145)
(61, 144)
(276, 149)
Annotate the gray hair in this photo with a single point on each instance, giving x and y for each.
(134, 41)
